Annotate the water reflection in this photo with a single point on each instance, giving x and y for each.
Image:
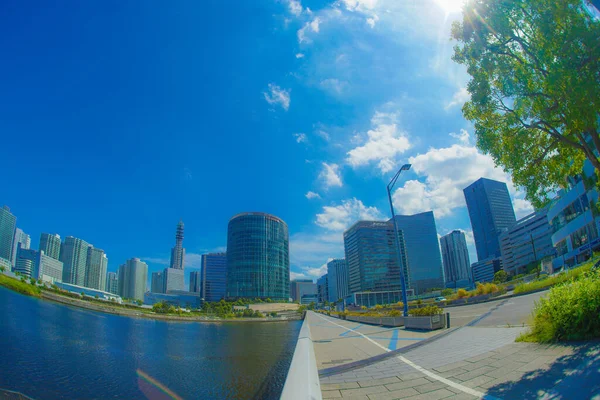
(50, 351)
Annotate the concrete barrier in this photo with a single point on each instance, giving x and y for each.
(385, 321)
(302, 382)
(427, 323)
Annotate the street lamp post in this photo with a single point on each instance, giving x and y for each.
(390, 186)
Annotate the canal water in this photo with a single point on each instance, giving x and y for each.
(52, 351)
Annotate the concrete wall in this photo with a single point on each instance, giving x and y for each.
(302, 381)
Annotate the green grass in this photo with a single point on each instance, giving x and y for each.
(18, 286)
(553, 280)
(571, 311)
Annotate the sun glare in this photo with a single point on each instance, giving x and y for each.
(451, 6)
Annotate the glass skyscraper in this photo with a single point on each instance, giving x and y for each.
(95, 269)
(112, 283)
(422, 251)
(371, 257)
(196, 280)
(132, 279)
(337, 272)
(157, 282)
(20, 238)
(258, 261)
(457, 266)
(8, 223)
(50, 245)
(73, 254)
(491, 212)
(214, 276)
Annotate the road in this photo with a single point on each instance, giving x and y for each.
(515, 311)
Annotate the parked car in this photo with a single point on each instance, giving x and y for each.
(438, 299)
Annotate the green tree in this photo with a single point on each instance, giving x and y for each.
(2, 269)
(535, 87)
(500, 276)
(447, 292)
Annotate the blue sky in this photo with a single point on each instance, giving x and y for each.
(120, 118)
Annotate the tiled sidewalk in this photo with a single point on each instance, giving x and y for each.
(455, 367)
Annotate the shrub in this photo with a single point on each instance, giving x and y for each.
(425, 311)
(378, 307)
(394, 313)
(462, 293)
(553, 280)
(447, 292)
(570, 312)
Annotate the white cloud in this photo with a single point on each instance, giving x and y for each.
(459, 98)
(359, 5)
(193, 260)
(277, 95)
(334, 85)
(462, 137)
(312, 195)
(309, 249)
(446, 172)
(323, 135)
(299, 55)
(300, 137)
(340, 217)
(295, 7)
(330, 175)
(385, 142)
(156, 260)
(522, 207)
(371, 21)
(314, 26)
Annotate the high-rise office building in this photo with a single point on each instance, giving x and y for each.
(491, 212)
(112, 283)
(8, 224)
(527, 241)
(157, 282)
(25, 261)
(302, 287)
(258, 261)
(322, 289)
(178, 252)
(457, 266)
(132, 279)
(214, 276)
(372, 259)
(174, 279)
(196, 281)
(37, 265)
(484, 270)
(50, 245)
(20, 238)
(422, 251)
(73, 254)
(95, 269)
(337, 279)
(48, 269)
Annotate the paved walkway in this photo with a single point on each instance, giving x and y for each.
(338, 342)
(478, 360)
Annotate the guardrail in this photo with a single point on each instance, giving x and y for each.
(302, 380)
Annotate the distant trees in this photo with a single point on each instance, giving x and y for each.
(500, 276)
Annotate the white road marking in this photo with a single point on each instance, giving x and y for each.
(430, 374)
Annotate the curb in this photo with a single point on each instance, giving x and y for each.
(508, 296)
